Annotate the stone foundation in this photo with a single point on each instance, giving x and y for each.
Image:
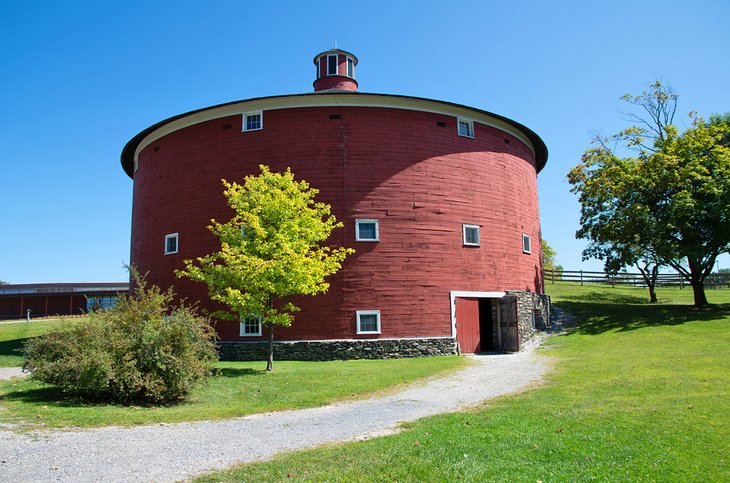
(328, 350)
(533, 313)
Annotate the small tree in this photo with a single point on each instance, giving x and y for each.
(549, 258)
(271, 249)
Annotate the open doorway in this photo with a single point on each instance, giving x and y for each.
(476, 324)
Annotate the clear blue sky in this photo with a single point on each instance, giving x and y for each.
(79, 79)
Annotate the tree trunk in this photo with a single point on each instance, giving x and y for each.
(698, 288)
(270, 362)
(652, 294)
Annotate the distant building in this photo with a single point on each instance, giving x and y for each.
(438, 199)
(49, 299)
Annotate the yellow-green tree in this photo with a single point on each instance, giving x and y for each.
(271, 249)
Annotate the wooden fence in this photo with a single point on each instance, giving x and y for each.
(715, 280)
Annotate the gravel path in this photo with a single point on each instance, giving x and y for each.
(11, 372)
(170, 452)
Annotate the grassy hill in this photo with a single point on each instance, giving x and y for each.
(639, 392)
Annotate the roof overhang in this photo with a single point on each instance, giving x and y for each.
(132, 149)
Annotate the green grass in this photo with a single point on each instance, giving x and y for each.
(239, 388)
(638, 392)
(14, 334)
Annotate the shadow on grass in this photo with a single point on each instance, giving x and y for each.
(236, 372)
(50, 395)
(596, 317)
(607, 297)
(13, 347)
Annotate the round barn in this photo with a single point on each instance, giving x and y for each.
(438, 199)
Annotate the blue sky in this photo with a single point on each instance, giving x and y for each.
(79, 79)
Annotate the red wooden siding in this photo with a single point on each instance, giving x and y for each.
(421, 181)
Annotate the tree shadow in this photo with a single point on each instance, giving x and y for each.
(609, 297)
(236, 372)
(596, 317)
(12, 347)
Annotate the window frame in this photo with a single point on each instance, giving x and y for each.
(470, 127)
(350, 67)
(260, 113)
(170, 236)
(242, 326)
(319, 71)
(464, 228)
(337, 64)
(358, 222)
(528, 249)
(359, 313)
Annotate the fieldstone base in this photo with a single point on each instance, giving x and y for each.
(533, 313)
(329, 350)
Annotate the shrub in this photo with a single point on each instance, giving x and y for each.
(138, 351)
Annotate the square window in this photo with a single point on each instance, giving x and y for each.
(526, 245)
(253, 121)
(368, 321)
(171, 243)
(332, 64)
(466, 128)
(250, 326)
(471, 235)
(366, 230)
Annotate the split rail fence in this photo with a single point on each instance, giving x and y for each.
(715, 280)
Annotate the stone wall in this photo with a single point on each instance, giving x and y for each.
(533, 313)
(327, 350)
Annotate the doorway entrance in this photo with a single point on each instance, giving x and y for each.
(484, 323)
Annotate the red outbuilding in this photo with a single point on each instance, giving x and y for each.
(438, 199)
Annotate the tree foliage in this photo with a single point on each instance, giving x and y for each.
(271, 249)
(666, 204)
(141, 350)
(549, 258)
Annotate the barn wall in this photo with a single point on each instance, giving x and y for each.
(420, 180)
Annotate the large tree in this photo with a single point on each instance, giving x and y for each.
(271, 249)
(668, 202)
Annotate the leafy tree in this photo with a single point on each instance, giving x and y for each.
(271, 249)
(667, 204)
(3, 283)
(548, 258)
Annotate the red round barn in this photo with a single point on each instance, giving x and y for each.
(439, 201)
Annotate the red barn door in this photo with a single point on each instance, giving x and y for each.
(467, 324)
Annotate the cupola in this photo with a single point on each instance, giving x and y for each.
(335, 71)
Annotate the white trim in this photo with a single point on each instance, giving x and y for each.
(466, 226)
(252, 113)
(348, 61)
(319, 72)
(241, 326)
(358, 313)
(525, 236)
(331, 100)
(169, 236)
(337, 64)
(479, 295)
(357, 231)
(469, 123)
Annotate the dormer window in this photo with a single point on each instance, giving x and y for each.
(332, 64)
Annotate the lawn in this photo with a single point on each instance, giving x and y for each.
(14, 334)
(639, 392)
(238, 389)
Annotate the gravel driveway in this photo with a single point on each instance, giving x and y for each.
(170, 452)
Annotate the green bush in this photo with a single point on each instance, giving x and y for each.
(138, 351)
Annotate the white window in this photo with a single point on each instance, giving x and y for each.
(366, 230)
(471, 235)
(526, 244)
(368, 321)
(466, 128)
(253, 121)
(318, 71)
(350, 67)
(171, 243)
(250, 326)
(332, 64)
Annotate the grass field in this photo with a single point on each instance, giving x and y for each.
(639, 392)
(238, 389)
(14, 333)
